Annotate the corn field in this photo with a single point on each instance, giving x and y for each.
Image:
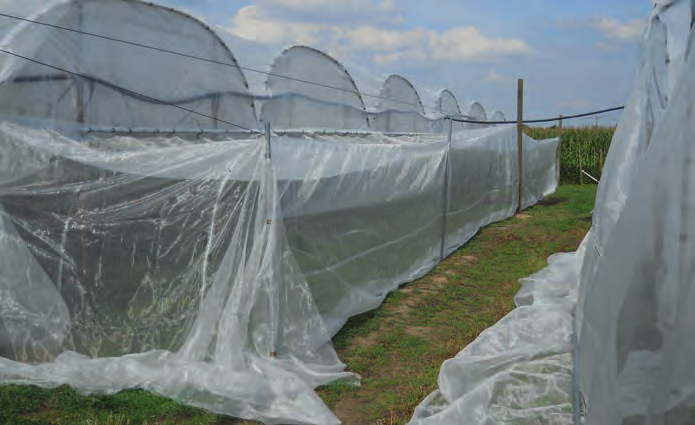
(581, 148)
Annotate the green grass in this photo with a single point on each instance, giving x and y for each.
(398, 348)
(64, 405)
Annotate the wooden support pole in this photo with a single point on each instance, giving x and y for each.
(445, 194)
(520, 137)
(268, 146)
(559, 151)
(581, 175)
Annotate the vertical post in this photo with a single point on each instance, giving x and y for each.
(215, 109)
(268, 152)
(80, 118)
(581, 177)
(445, 196)
(520, 137)
(559, 152)
(269, 222)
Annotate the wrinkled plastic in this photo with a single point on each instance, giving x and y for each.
(400, 108)
(121, 73)
(335, 103)
(635, 340)
(619, 304)
(156, 261)
(146, 245)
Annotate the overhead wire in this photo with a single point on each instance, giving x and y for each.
(455, 118)
(200, 58)
(126, 90)
(536, 121)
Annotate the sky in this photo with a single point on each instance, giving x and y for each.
(574, 55)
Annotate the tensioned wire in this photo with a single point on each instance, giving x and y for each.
(128, 91)
(237, 66)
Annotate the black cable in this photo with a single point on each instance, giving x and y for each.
(237, 66)
(186, 55)
(128, 91)
(568, 117)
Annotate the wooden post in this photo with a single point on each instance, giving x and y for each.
(445, 194)
(581, 176)
(268, 146)
(520, 137)
(559, 151)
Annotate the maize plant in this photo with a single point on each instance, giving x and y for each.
(581, 148)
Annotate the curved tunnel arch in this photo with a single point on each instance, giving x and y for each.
(400, 108)
(333, 100)
(447, 104)
(498, 116)
(477, 111)
(116, 72)
(399, 94)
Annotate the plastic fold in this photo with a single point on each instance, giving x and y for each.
(148, 242)
(603, 335)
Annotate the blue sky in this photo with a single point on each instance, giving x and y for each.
(574, 55)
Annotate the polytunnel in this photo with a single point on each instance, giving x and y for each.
(330, 101)
(94, 82)
(400, 108)
(604, 335)
(152, 238)
(476, 112)
(498, 116)
(446, 105)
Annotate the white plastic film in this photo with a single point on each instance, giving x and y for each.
(400, 109)
(332, 101)
(112, 84)
(184, 259)
(498, 116)
(145, 245)
(626, 288)
(447, 104)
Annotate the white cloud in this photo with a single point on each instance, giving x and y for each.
(614, 30)
(383, 44)
(353, 5)
(332, 11)
(574, 104)
(495, 77)
(457, 44)
(468, 43)
(250, 23)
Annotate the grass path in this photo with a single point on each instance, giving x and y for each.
(397, 348)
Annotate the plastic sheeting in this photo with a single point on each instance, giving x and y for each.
(111, 77)
(400, 108)
(334, 103)
(643, 339)
(447, 104)
(204, 264)
(619, 304)
(304, 88)
(203, 261)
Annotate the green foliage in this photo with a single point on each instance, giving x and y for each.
(588, 144)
